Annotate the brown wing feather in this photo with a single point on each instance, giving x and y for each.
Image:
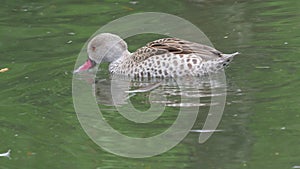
(175, 46)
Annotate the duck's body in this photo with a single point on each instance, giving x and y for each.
(169, 57)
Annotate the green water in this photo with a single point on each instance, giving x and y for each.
(40, 41)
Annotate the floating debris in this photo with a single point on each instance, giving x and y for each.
(69, 42)
(30, 153)
(72, 33)
(4, 70)
(262, 67)
(285, 43)
(225, 37)
(133, 2)
(296, 166)
(127, 8)
(7, 154)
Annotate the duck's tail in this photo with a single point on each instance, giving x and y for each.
(215, 65)
(227, 58)
(231, 55)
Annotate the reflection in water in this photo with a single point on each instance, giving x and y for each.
(156, 94)
(126, 88)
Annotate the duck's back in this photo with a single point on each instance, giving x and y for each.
(175, 46)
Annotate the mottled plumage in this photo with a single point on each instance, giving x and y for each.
(168, 57)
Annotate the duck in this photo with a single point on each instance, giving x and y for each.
(167, 57)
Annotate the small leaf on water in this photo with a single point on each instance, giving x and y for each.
(127, 8)
(4, 70)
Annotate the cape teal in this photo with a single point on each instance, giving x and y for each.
(168, 57)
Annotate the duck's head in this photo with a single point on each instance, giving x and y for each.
(105, 47)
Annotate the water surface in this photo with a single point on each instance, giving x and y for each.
(40, 41)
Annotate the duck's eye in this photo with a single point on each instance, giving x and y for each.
(93, 48)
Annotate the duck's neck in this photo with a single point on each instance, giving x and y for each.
(115, 64)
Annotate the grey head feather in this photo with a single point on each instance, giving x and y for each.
(106, 46)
